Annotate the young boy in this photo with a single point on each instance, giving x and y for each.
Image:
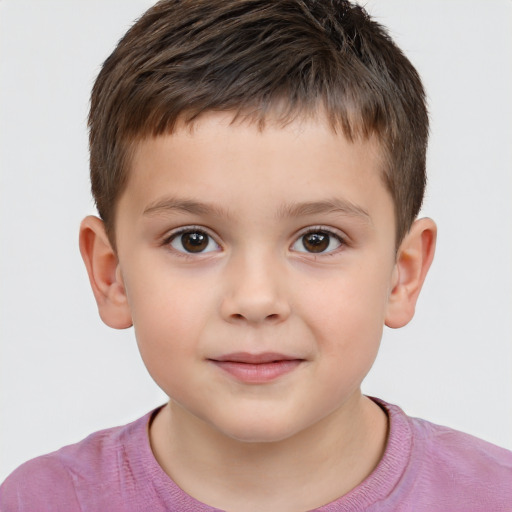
(258, 167)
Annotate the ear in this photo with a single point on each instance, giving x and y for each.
(104, 274)
(414, 257)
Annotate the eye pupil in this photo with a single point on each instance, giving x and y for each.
(194, 241)
(316, 242)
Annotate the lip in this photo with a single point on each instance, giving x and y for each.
(256, 368)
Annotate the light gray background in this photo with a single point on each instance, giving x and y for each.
(64, 374)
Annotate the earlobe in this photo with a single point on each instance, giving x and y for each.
(414, 258)
(104, 274)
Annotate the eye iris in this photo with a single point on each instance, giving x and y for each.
(316, 242)
(194, 241)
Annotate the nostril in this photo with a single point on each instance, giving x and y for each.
(271, 317)
(254, 308)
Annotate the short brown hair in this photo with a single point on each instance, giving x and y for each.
(255, 57)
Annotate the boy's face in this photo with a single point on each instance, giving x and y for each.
(257, 267)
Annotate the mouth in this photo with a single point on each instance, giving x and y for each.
(256, 368)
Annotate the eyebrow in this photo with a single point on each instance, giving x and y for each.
(334, 205)
(185, 205)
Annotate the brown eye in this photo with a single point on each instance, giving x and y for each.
(317, 242)
(193, 241)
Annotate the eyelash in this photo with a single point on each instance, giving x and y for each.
(300, 237)
(168, 240)
(328, 231)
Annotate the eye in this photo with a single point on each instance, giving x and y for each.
(317, 241)
(193, 241)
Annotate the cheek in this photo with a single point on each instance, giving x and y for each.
(347, 315)
(168, 331)
(169, 314)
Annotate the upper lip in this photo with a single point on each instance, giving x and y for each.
(247, 357)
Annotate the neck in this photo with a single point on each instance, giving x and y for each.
(307, 470)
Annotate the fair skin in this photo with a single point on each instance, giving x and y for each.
(258, 268)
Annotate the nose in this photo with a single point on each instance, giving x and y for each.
(254, 292)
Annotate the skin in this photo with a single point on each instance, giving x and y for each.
(256, 287)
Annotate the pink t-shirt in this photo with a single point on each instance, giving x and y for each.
(425, 467)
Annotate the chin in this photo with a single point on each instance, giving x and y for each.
(259, 431)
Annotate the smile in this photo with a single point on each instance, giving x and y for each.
(256, 368)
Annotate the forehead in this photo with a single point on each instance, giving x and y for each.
(222, 159)
(239, 131)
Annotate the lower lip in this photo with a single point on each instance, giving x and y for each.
(258, 373)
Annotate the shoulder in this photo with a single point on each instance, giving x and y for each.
(451, 470)
(56, 481)
(453, 450)
(43, 483)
